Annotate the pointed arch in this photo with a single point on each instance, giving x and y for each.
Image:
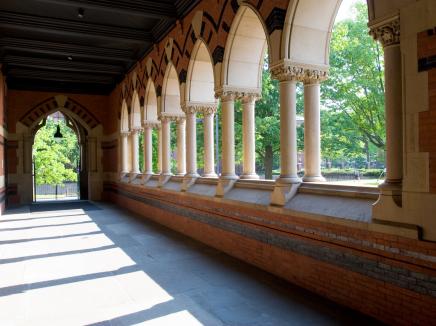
(245, 49)
(171, 92)
(124, 125)
(150, 105)
(307, 31)
(200, 82)
(136, 111)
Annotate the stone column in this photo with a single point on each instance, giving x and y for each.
(312, 127)
(228, 175)
(181, 146)
(135, 151)
(124, 152)
(148, 149)
(209, 157)
(166, 146)
(191, 141)
(287, 184)
(387, 32)
(159, 149)
(249, 137)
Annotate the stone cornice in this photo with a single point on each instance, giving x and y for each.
(197, 107)
(286, 70)
(228, 92)
(386, 30)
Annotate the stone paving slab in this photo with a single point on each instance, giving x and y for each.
(104, 266)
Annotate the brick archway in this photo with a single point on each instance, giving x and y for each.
(54, 103)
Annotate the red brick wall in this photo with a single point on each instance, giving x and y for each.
(427, 120)
(377, 274)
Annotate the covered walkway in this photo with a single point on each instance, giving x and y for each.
(79, 263)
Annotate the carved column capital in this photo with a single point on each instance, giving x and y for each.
(286, 72)
(386, 31)
(228, 93)
(124, 133)
(165, 117)
(314, 76)
(151, 124)
(193, 107)
(136, 130)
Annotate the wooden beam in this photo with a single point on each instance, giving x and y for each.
(70, 27)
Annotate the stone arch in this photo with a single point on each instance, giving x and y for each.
(200, 82)
(59, 103)
(244, 51)
(135, 113)
(150, 105)
(307, 31)
(124, 123)
(171, 93)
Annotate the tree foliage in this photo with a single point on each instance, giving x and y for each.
(353, 96)
(55, 162)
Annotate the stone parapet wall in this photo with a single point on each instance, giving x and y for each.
(386, 276)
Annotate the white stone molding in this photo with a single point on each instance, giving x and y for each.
(386, 30)
(285, 70)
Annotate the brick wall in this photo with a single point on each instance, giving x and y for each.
(427, 119)
(388, 277)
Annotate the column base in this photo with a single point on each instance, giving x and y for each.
(146, 177)
(250, 176)
(180, 174)
(225, 184)
(388, 207)
(315, 178)
(189, 181)
(163, 179)
(284, 190)
(210, 175)
(132, 176)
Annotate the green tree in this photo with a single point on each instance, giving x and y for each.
(354, 93)
(55, 162)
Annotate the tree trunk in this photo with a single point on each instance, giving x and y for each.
(268, 161)
(368, 155)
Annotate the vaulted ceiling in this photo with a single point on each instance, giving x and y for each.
(82, 46)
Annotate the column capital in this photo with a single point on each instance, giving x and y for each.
(151, 124)
(228, 93)
(285, 70)
(165, 117)
(314, 76)
(136, 130)
(124, 133)
(198, 107)
(386, 30)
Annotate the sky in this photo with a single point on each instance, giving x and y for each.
(345, 9)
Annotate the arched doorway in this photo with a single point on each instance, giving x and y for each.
(56, 159)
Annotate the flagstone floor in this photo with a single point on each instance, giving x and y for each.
(80, 263)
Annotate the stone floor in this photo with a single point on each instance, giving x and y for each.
(79, 264)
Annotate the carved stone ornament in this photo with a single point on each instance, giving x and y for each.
(387, 31)
(124, 133)
(205, 108)
(227, 93)
(289, 71)
(165, 117)
(151, 124)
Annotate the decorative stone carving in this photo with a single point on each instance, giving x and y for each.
(288, 71)
(167, 117)
(204, 108)
(151, 124)
(125, 133)
(229, 92)
(387, 31)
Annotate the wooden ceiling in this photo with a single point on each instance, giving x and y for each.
(49, 45)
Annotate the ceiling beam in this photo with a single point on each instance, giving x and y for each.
(71, 27)
(62, 65)
(54, 76)
(65, 49)
(144, 8)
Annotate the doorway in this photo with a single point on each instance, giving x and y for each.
(56, 159)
